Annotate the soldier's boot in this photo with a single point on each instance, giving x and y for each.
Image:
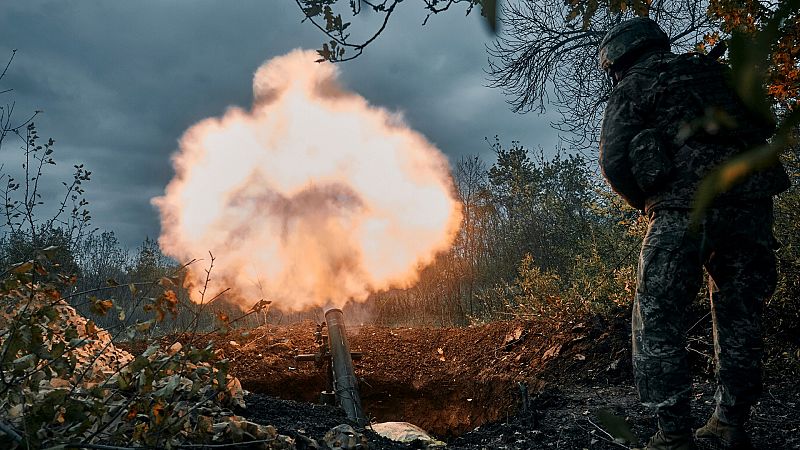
(718, 435)
(664, 440)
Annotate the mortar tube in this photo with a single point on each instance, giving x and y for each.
(345, 384)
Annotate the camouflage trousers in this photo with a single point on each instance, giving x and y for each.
(736, 247)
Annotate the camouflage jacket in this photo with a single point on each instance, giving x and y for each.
(687, 101)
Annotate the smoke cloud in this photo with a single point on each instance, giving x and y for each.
(312, 197)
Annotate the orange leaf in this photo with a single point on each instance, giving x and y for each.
(158, 413)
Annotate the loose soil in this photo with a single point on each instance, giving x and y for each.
(465, 385)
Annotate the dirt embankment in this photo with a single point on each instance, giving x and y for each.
(445, 380)
(463, 384)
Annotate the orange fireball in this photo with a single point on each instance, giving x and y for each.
(311, 196)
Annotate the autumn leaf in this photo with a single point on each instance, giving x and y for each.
(144, 326)
(40, 269)
(22, 267)
(91, 329)
(171, 300)
(157, 412)
(101, 307)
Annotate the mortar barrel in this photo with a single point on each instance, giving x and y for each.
(344, 379)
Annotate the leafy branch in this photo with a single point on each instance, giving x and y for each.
(340, 47)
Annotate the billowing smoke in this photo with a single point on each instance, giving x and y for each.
(313, 196)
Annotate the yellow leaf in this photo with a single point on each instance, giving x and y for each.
(144, 326)
(22, 267)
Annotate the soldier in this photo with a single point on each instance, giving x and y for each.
(670, 119)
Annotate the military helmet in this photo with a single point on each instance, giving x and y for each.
(630, 38)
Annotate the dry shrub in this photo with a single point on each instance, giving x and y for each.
(63, 381)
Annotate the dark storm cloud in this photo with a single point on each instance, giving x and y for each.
(435, 75)
(120, 81)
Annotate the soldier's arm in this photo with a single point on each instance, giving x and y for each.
(623, 119)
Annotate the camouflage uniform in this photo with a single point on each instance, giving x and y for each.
(655, 114)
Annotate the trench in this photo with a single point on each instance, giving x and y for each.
(445, 408)
(447, 381)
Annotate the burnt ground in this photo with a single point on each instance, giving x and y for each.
(463, 384)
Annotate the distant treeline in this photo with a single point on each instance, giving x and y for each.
(541, 237)
(545, 239)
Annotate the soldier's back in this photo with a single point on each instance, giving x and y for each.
(703, 123)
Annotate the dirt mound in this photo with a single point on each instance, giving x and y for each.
(445, 380)
(462, 384)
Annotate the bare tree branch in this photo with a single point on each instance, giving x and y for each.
(546, 59)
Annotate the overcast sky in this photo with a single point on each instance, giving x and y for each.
(119, 82)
